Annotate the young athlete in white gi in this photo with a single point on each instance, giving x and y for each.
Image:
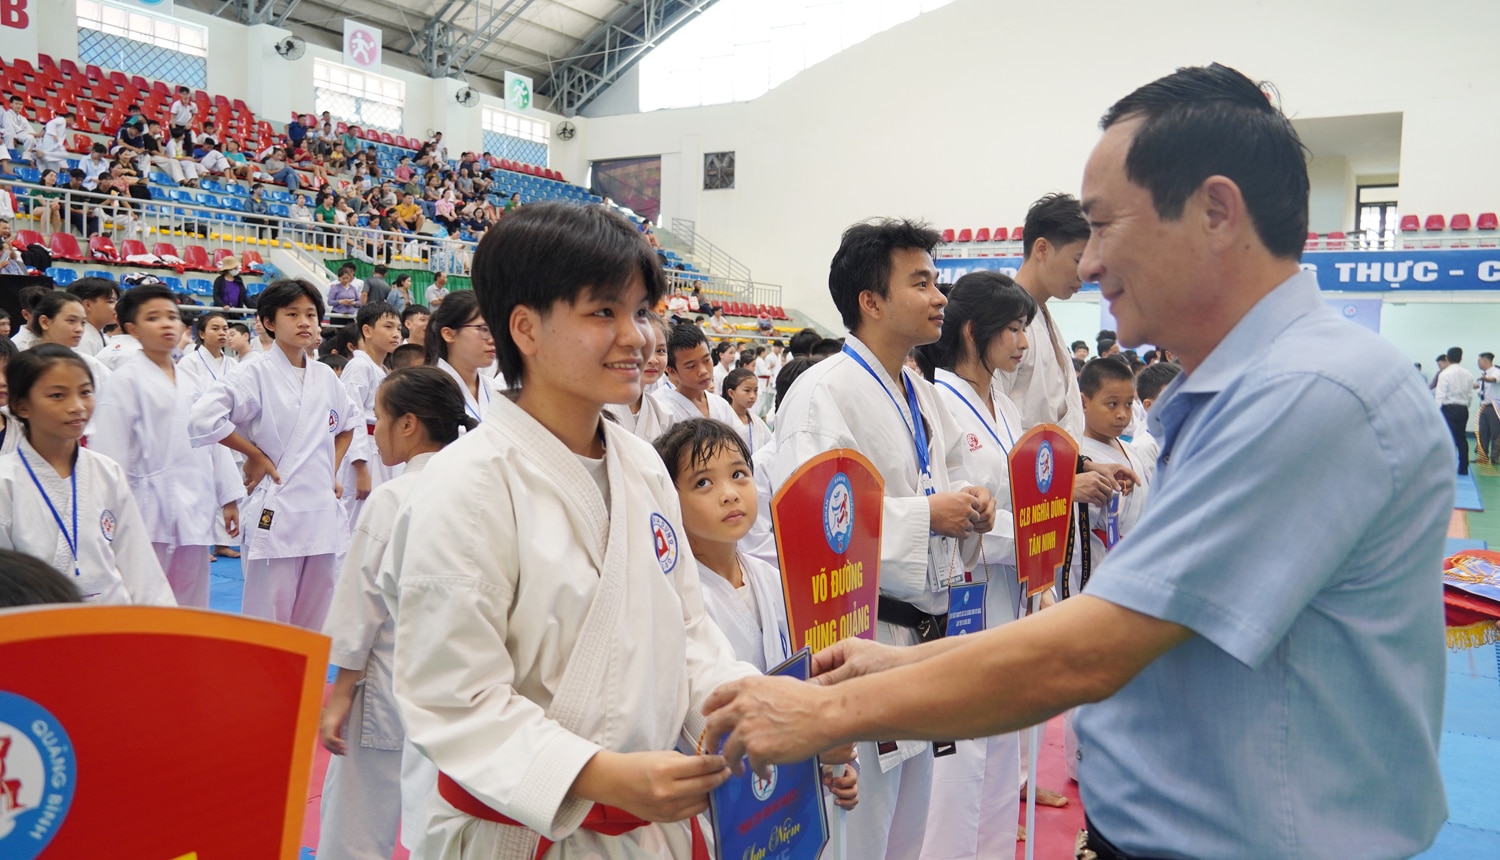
(362, 470)
(15, 127)
(460, 343)
(293, 421)
(974, 800)
(884, 283)
(418, 410)
(690, 367)
(551, 643)
(646, 417)
(142, 424)
(61, 502)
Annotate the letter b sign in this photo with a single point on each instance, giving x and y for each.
(13, 14)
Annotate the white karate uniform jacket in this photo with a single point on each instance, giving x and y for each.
(141, 422)
(53, 144)
(1044, 386)
(16, 127)
(119, 348)
(836, 404)
(294, 421)
(201, 364)
(477, 407)
(116, 563)
(759, 638)
(361, 378)
(1131, 508)
(680, 409)
(538, 624)
(650, 422)
(756, 433)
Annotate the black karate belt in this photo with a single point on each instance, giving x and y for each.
(1079, 523)
(1101, 848)
(928, 627)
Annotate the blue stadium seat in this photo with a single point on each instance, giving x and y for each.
(160, 178)
(280, 210)
(29, 174)
(62, 277)
(175, 283)
(200, 287)
(211, 185)
(97, 273)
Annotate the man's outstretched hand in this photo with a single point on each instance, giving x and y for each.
(768, 720)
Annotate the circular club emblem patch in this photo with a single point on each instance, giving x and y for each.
(37, 777)
(107, 525)
(762, 788)
(1350, 311)
(665, 541)
(1044, 467)
(838, 513)
(333, 420)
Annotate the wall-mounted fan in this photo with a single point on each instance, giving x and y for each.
(566, 130)
(291, 48)
(718, 170)
(467, 96)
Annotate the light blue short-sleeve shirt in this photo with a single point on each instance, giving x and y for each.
(1296, 525)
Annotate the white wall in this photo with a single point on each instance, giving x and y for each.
(968, 113)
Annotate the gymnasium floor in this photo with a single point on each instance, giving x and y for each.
(1470, 747)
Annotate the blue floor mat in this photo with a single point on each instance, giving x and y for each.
(1470, 757)
(1459, 544)
(1467, 497)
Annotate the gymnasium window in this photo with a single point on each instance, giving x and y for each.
(358, 98)
(139, 43)
(737, 50)
(516, 137)
(1378, 220)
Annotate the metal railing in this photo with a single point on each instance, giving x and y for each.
(714, 261)
(183, 223)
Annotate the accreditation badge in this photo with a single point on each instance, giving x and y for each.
(781, 816)
(1112, 522)
(966, 608)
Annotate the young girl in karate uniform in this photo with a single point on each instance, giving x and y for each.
(741, 389)
(142, 424)
(293, 421)
(460, 343)
(209, 362)
(646, 417)
(10, 431)
(974, 800)
(63, 503)
(417, 411)
(59, 318)
(551, 643)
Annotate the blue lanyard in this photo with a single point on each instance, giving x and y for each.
(72, 540)
(206, 365)
(998, 414)
(917, 427)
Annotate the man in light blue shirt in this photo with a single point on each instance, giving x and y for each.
(1265, 650)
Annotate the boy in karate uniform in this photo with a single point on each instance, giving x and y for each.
(884, 283)
(293, 421)
(551, 643)
(142, 423)
(15, 127)
(1148, 386)
(690, 367)
(379, 333)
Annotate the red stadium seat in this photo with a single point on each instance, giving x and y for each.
(948, 235)
(1312, 242)
(1410, 224)
(1001, 234)
(27, 238)
(196, 257)
(1018, 234)
(966, 235)
(1488, 221)
(252, 262)
(81, 142)
(102, 248)
(65, 247)
(22, 68)
(982, 234)
(387, 138)
(134, 248)
(1460, 222)
(69, 68)
(1435, 224)
(219, 255)
(45, 61)
(1336, 241)
(93, 72)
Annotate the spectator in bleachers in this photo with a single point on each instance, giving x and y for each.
(445, 212)
(95, 166)
(349, 142)
(439, 149)
(52, 149)
(326, 140)
(47, 202)
(15, 127)
(376, 289)
(82, 214)
(344, 293)
(404, 171)
(400, 295)
(258, 208)
(718, 326)
(299, 213)
(178, 151)
(155, 154)
(408, 215)
(201, 142)
(239, 165)
(324, 217)
(213, 162)
(273, 164)
(296, 130)
(513, 203)
(180, 114)
(425, 157)
(229, 286)
(130, 140)
(10, 248)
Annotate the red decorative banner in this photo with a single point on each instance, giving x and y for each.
(1041, 495)
(827, 520)
(132, 731)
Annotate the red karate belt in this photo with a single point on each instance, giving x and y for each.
(1470, 617)
(370, 429)
(608, 820)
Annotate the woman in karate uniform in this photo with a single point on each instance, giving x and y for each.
(974, 800)
(10, 429)
(418, 411)
(551, 642)
(65, 504)
(460, 343)
(646, 417)
(209, 361)
(142, 424)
